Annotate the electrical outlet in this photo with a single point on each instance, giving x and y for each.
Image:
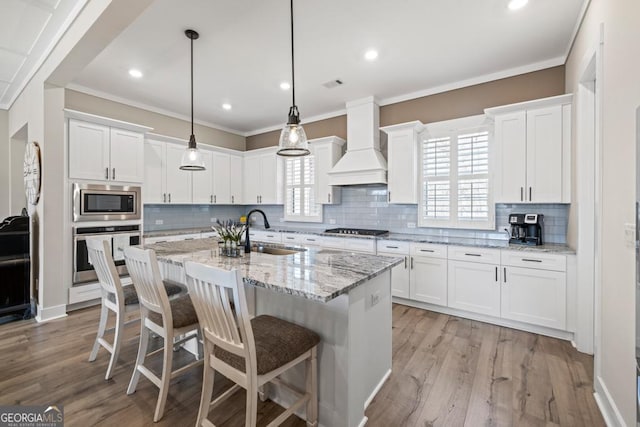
(332, 221)
(213, 220)
(630, 235)
(375, 298)
(159, 222)
(411, 225)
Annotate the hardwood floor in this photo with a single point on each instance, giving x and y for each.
(447, 371)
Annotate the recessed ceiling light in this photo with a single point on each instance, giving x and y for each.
(226, 106)
(285, 86)
(517, 4)
(135, 73)
(371, 55)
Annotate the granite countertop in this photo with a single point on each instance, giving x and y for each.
(556, 248)
(316, 274)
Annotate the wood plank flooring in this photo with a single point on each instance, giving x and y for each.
(447, 371)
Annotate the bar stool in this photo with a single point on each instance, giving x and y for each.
(166, 318)
(115, 298)
(250, 352)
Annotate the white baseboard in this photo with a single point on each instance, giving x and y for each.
(377, 389)
(50, 313)
(363, 422)
(607, 406)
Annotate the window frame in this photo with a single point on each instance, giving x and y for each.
(302, 217)
(453, 129)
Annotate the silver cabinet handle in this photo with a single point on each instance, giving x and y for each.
(412, 263)
(521, 194)
(505, 274)
(106, 173)
(164, 197)
(257, 199)
(215, 198)
(260, 199)
(113, 174)
(391, 247)
(431, 251)
(470, 254)
(311, 240)
(329, 197)
(289, 238)
(531, 260)
(232, 199)
(169, 197)
(496, 274)
(211, 199)
(405, 263)
(389, 196)
(530, 194)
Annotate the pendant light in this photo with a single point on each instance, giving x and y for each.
(192, 159)
(293, 139)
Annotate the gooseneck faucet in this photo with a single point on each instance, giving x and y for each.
(247, 243)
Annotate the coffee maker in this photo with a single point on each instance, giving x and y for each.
(526, 229)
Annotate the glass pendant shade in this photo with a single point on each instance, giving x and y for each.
(293, 139)
(191, 158)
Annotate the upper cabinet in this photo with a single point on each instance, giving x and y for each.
(103, 149)
(164, 181)
(402, 160)
(326, 152)
(533, 151)
(263, 177)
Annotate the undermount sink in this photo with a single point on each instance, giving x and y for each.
(275, 251)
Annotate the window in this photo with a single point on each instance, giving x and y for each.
(299, 204)
(455, 188)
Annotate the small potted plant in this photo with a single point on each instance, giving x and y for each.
(231, 233)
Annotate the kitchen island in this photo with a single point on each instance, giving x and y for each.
(344, 297)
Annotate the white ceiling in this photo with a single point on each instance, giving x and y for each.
(244, 53)
(28, 31)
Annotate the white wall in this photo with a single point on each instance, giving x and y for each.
(5, 180)
(620, 83)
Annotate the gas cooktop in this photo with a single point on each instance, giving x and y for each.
(356, 231)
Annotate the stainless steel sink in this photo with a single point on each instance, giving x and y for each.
(275, 251)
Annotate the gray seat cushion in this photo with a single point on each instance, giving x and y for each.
(131, 298)
(182, 312)
(278, 342)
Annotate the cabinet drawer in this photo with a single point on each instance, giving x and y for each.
(333, 242)
(393, 247)
(483, 255)
(429, 250)
(266, 236)
(301, 239)
(538, 260)
(360, 245)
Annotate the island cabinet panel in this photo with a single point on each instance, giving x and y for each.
(428, 276)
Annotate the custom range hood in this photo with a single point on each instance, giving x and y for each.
(363, 162)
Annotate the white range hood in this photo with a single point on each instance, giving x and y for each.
(363, 162)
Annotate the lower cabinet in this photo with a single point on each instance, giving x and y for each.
(535, 296)
(474, 287)
(428, 277)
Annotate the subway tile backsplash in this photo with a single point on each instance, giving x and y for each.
(363, 206)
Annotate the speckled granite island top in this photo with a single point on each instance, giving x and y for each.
(317, 274)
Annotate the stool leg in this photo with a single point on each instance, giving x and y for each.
(117, 338)
(166, 377)
(312, 388)
(142, 353)
(252, 404)
(104, 315)
(208, 376)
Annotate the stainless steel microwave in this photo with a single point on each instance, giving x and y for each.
(95, 202)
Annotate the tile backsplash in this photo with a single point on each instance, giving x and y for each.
(363, 206)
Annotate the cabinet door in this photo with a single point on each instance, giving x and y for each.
(269, 179)
(510, 155)
(402, 177)
(544, 155)
(252, 180)
(535, 296)
(221, 177)
(178, 186)
(202, 181)
(127, 156)
(88, 151)
(428, 280)
(325, 156)
(474, 287)
(400, 276)
(235, 179)
(154, 180)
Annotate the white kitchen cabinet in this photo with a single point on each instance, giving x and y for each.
(221, 193)
(474, 279)
(154, 155)
(102, 153)
(235, 179)
(534, 288)
(265, 236)
(428, 276)
(532, 151)
(164, 181)
(177, 181)
(202, 181)
(326, 152)
(263, 179)
(302, 239)
(402, 157)
(400, 274)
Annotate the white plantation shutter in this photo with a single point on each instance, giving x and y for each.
(455, 180)
(300, 202)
